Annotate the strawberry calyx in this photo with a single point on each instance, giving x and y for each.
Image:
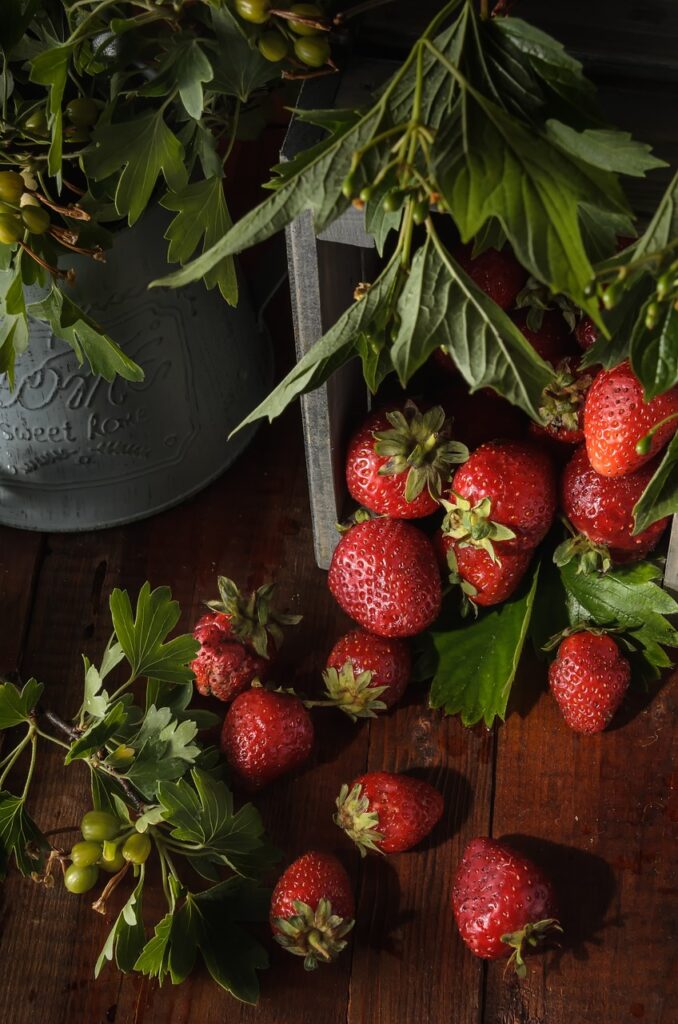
(252, 620)
(590, 557)
(529, 937)
(353, 694)
(317, 935)
(357, 820)
(581, 627)
(471, 525)
(420, 445)
(455, 579)
(563, 398)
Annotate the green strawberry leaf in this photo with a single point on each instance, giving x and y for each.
(87, 340)
(202, 217)
(477, 663)
(143, 635)
(660, 497)
(139, 152)
(16, 705)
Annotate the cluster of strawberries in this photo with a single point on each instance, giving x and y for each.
(268, 733)
(495, 508)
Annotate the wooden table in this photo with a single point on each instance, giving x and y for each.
(600, 812)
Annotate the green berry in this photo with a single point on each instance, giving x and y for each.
(11, 186)
(137, 848)
(99, 826)
(115, 864)
(82, 112)
(610, 297)
(254, 11)
(652, 314)
(348, 186)
(314, 51)
(86, 853)
(36, 120)
(366, 193)
(11, 229)
(273, 46)
(79, 880)
(393, 200)
(305, 11)
(36, 219)
(420, 211)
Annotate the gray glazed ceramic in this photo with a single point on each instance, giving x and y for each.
(77, 453)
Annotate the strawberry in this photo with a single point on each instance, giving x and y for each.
(312, 908)
(563, 406)
(482, 416)
(504, 497)
(503, 903)
(367, 673)
(399, 460)
(586, 333)
(589, 678)
(384, 575)
(265, 734)
(386, 812)
(552, 341)
(484, 580)
(497, 273)
(601, 508)
(622, 430)
(238, 639)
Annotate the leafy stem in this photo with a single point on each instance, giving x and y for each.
(15, 754)
(31, 766)
(234, 131)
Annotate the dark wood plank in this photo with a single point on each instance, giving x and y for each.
(20, 556)
(409, 964)
(601, 813)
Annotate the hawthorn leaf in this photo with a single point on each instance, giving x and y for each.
(607, 148)
(202, 217)
(139, 152)
(440, 306)
(86, 338)
(20, 837)
(143, 635)
(16, 705)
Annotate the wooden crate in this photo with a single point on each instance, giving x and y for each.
(638, 92)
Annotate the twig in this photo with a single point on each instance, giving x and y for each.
(127, 789)
(367, 5)
(59, 724)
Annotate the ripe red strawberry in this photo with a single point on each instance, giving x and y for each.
(498, 274)
(601, 508)
(400, 459)
(367, 673)
(503, 903)
(312, 908)
(553, 340)
(238, 639)
(589, 678)
(482, 416)
(386, 812)
(265, 735)
(586, 333)
(503, 498)
(616, 419)
(384, 575)
(484, 580)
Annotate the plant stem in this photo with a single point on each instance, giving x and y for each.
(52, 739)
(100, 904)
(59, 724)
(78, 31)
(15, 755)
(31, 766)
(484, 9)
(234, 130)
(366, 5)
(127, 789)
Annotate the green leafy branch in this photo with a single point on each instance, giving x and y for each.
(488, 128)
(157, 792)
